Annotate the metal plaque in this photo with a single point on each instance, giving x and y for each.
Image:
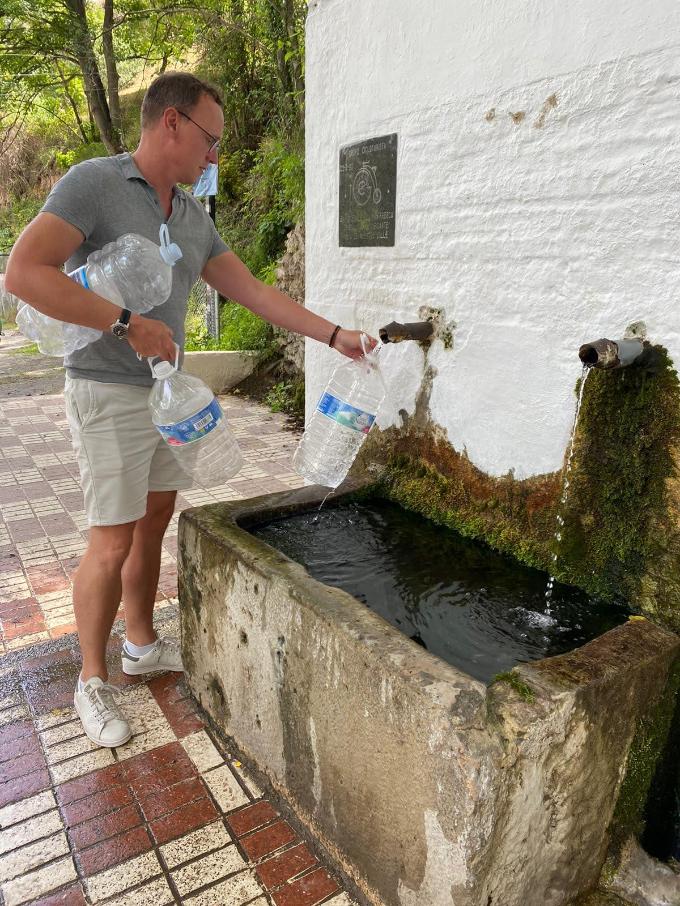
(368, 191)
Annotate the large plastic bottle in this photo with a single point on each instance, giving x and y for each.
(132, 272)
(192, 423)
(343, 417)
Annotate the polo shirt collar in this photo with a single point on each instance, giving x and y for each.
(131, 171)
(129, 167)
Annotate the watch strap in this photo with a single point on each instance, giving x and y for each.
(124, 317)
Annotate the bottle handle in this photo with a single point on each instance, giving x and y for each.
(371, 357)
(150, 359)
(170, 251)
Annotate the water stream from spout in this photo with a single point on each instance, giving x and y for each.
(316, 518)
(565, 491)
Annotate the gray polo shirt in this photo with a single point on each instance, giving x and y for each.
(105, 198)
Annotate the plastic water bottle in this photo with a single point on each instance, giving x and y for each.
(343, 417)
(192, 423)
(132, 272)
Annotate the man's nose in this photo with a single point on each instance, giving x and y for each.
(212, 155)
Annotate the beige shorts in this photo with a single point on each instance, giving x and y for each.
(120, 453)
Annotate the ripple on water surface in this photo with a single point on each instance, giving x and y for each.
(476, 609)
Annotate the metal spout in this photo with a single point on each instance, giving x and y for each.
(611, 353)
(395, 332)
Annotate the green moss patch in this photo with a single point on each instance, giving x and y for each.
(629, 430)
(644, 758)
(521, 688)
(621, 535)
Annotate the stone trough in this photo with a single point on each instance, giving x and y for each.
(426, 786)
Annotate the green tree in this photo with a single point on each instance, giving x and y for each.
(57, 53)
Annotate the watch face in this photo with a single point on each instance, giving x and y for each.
(119, 330)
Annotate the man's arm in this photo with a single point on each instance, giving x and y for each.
(34, 275)
(231, 278)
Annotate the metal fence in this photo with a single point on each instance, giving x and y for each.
(205, 299)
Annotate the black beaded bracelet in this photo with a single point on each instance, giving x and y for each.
(334, 335)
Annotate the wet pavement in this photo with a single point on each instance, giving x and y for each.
(172, 816)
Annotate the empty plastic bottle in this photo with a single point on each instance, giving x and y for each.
(192, 423)
(343, 417)
(132, 272)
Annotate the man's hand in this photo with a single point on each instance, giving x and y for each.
(348, 342)
(151, 338)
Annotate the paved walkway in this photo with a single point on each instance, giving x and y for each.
(170, 817)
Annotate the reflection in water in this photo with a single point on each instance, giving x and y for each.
(474, 608)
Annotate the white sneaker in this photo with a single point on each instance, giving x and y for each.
(100, 715)
(165, 655)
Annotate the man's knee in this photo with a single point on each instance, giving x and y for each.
(159, 509)
(109, 545)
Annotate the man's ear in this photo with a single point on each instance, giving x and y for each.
(171, 119)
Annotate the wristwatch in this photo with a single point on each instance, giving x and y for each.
(120, 327)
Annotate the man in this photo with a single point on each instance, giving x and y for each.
(129, 476)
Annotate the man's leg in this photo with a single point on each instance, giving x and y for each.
(142, 567)
(96, 593)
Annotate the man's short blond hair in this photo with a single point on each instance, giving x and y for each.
(174, 89)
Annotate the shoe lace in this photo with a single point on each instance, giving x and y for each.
(103, 700)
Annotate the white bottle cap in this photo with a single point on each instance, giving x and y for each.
(163, 369)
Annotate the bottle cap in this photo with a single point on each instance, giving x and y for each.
(162, 370)
(170, 251)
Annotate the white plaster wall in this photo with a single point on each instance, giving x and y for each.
(533, 233)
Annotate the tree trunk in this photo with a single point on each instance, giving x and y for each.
(94, 87)
(73, 105)
(112, 72)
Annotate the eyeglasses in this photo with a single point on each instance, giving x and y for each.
(214, 142)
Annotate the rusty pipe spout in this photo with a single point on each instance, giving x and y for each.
(395, 332)
(611, 353)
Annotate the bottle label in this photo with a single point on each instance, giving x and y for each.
(344, 414)
(194, 428)
(80, 276)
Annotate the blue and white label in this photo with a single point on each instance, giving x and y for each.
(194, 428)
(80, 276)
(344, 414)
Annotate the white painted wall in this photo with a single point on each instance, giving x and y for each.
(534, 236)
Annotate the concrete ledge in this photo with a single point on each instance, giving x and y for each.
(427, 787)
(221, 369)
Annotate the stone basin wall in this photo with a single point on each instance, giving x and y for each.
(426, 786)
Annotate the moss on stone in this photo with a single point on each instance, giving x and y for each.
(621, 537)
(618, 527)
(645, 753)
(521, 688)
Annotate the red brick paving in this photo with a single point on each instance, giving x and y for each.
(279, 869)
(173, 797)
(266, 841)
(251, 817)
(15, 731)
(24, 787)
(26, 744)
(97, 829)
(114, 851)
(97, 805)
(21, 766)
(306, 891)
(70, 896)
(187, 818)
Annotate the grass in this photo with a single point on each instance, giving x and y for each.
(31, 349)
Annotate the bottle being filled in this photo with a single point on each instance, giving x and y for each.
(192, 423)
(343, 417)
(132, 272)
